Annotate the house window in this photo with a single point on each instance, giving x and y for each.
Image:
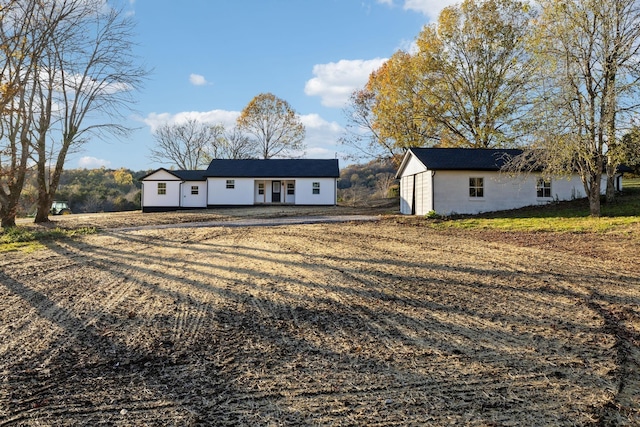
(231, 183)
(162, 188)
(194, 190)
(316, 188)
(476, 187)
(261, 188)
(543, 187)
(291, 188)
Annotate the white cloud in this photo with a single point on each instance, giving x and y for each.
(334, 82)
(430, 8)
(197, 80)
(226, 118)
(321, 136)
(89, 162)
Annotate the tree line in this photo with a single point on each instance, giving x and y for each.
(89, 190)
(116, 190)
(558, 78)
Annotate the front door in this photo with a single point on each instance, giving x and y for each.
(275, 191)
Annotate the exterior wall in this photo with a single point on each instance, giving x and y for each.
(194, 200)
(304, 191)
(268, 193)
(413, 166)
(420, 200)
(241, 194)
(289, 198)
(423, 193)
(501, 192)
(406, 194)
(150, 196)
(246, 191)
(262, 198)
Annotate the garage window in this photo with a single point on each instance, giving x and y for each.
(162, 188)
(543, 187)
(476, 187)
(231, 183)
(316, 188)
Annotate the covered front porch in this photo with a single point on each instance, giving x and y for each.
(275, 191)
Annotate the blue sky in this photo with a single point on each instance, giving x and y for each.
(209, 58)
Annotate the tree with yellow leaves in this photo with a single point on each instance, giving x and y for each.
(465, 85)
(274, 126)
(588, 74)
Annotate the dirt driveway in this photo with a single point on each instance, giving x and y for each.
(356, 323)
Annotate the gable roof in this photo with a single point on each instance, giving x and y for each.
(187, 175)
(464, 158)
(184, 175)
(482, 159)
(273, 168)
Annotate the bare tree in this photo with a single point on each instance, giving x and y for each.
(186, 145)
(384, 181)
(277, 129)
(233, 144)
(85, 84)
(25, 31)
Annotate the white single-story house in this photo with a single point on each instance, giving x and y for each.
(469, 181)
(230, 182)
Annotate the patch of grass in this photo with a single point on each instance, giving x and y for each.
(30, 239)
(631, 184)
(623, 216)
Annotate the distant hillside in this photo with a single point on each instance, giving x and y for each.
(91, 190)
(364, 183)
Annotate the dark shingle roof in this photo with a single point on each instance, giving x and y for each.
(273, 168)
(464, 158)
(190, 175)
(185, 175)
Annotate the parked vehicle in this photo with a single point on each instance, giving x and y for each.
(60, 208)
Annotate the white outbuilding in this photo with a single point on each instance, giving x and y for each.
(230, 182)
(469, 181)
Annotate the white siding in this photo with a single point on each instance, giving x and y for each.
(304, 191)
(194, 200)
(150, 196)
(406, 194)
(241, 194)
(289, 198)
(423, 193)
(415, 173)
(501, 192)
(266, 196)
(413, 166)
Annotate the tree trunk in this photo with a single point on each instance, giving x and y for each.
(611, 189)
(9, 207)
(7, 219)
(594, 195)
(611, 183)
(44, 206)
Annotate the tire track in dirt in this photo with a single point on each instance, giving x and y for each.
(352, 272)
(324, 325)
(189, 323)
